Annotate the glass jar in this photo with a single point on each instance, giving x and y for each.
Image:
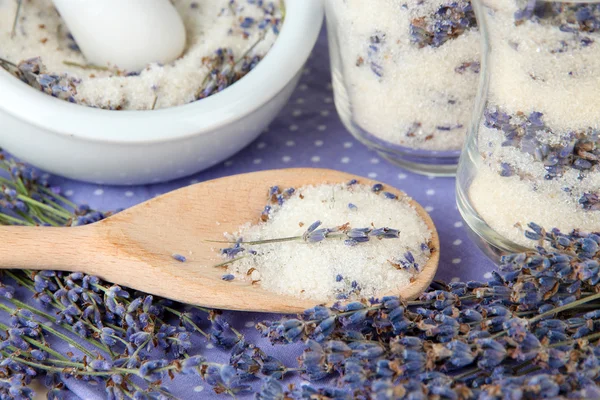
(533, 150)
(405, 77)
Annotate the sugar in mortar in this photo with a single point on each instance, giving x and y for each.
(331, 242)
(405, 72)
(225, 40)
(538, 138)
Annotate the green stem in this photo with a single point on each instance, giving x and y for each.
(20, 281)
(46, 348)
(54, 332)
(466, 373)
(527, 371)
(521, 367)
(226, 263)
(85, 66)
(10, 63)
(115, 327)
(13, 31)
(188, 320)
(205, 310)
(79, 371)
(283, 9)
(569, 342)
(565, 307)
(59, 197)
(425, 303)
(46, 219)
(498, 334)
(26, 218)
(236, 332)
(37, 344)
(67, 363)
(3, 180)
(519, 314)
(44, 206)
(136, 352)
(48, 200)
(34, 310)
(51, 318)
(21, 186)
(11, 220)
(257, 242)
(158, 389)
(119, 339)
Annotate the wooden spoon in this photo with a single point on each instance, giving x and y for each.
(134, 248)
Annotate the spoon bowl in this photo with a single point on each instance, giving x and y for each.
(135, 247)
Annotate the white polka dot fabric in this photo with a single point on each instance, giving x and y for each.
(308, 133)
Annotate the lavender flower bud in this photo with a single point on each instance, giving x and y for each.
(101, 365)
(385, 233)
(106, 337)
(139, 338)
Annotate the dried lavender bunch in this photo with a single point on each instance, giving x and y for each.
(531, 331)
(127, 342)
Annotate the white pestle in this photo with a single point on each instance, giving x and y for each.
(128, 34)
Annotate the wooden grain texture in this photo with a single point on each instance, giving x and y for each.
(134, 248)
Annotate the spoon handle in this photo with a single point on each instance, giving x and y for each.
(67, 249)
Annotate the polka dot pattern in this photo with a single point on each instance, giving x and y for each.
(309, 133)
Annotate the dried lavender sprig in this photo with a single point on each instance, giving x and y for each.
(228, 262)
(314, 235)
(54, 332)
(53, 319)
(85, 66)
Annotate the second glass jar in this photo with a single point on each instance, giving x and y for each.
(532, 158)
(405, 76)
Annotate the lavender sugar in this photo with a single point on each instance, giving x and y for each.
(406, 71)
(225, 40)
(540, 133)
(331, 242)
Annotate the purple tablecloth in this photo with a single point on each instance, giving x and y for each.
(307, 133)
